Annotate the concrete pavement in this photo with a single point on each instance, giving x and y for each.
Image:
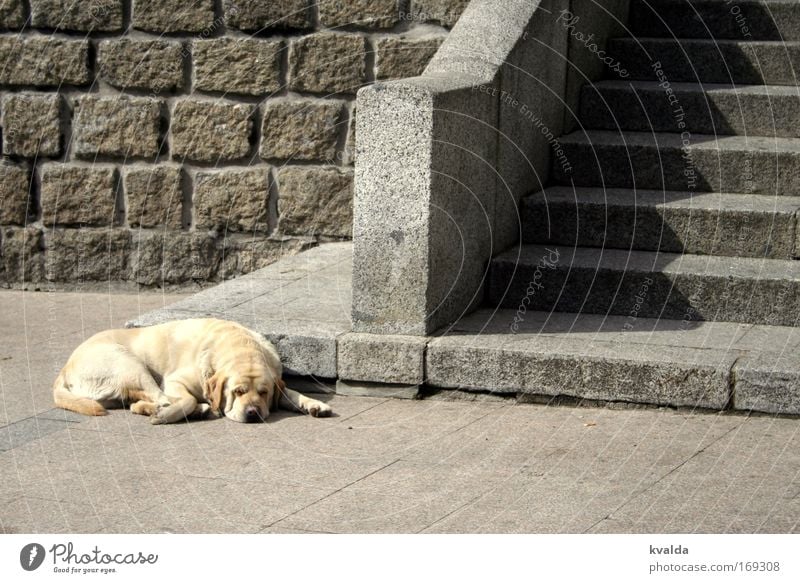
(442, 464)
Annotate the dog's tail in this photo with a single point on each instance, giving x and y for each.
(65, 399)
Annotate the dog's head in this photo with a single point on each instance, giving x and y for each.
(246, 395)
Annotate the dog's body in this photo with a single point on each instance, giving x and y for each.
(201, 364)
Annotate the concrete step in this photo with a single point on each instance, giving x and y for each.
(736, 225)
(753, 110)
(708, 61)
(618, 358)
(720, 19)
(647, 284)
(694, 162)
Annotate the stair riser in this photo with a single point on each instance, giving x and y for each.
(647, 228)
(772, 64)
(705, 170)
(711, 113)
(684, 297)
(717, 19)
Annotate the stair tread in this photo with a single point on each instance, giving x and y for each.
(668, 199)
(725, 42)
(674, 140)
(656, 262)
(711, 88)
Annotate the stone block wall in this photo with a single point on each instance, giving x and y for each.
(163, 142)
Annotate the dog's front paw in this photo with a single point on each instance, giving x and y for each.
(319, 409)
(158, 419)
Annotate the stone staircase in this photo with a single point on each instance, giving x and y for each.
(680, 205)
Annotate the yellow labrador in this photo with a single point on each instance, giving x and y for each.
(203, 365)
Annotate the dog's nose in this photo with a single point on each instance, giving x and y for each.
(252, 415)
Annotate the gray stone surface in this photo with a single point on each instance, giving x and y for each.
(237, 65)
(232, 200)
(398, 58)
(376, 390)
(382, 359)
(175, 16)
(643, 106)
(315, 201)
(256, 15)
(707, 61)
(22, 254)
(159, 257)
(737, 164)
(12, 14)
(735, 225)
(327, 63)
(153, 196)
(301, 130)
(211, 131)
(78, 195)
(116, 126)
(755, 19)
(86, 255)
(367, 13)
(97, 15)
(444, 12)
(27, 430)
(141, 64)
(768, 382)
(672, 286)
(32, 125)
(44, 61)
(14, 189)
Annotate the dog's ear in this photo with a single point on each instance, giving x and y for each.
(280, 387)
(214, 391)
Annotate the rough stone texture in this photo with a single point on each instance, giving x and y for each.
(159, 257)
(12, 14)
(768, 382)
(14, 187)
(22, 254)
(116, 126)
(245, 254)
(153, 196)
(94, 15)
(590, 370)
(398, 58)
(672, 286)
(734, 225)
(709, 61)
(236, 65)
(141, 64)
(256, 15)
(211, 131)
(32, 125)
(376, 390)
(86, 254)
(327, 63)
(44, 61)
(444, 12)
(736, 164)
(232, 200)
(643, 106)
(368, 13)
(175, 16)
(78, 195)
(300, 130)
(316, 201)
(382, 359)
